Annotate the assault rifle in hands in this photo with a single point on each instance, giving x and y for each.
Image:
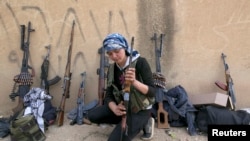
(104, 63)
(229, 82)
(24, 80)
(45, 83)
(80, 102)
(66, 82)
(126, 93)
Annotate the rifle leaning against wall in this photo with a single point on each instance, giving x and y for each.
(162, 115)
(80, 102)
(229, 82)
(24, 80)
(102, 75)
(66, 82)
(45, 83)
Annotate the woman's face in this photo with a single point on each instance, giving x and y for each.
(118, 56)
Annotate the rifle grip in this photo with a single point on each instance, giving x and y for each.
(162, 117)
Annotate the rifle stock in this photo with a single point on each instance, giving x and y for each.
(24, 79)
(66, 82)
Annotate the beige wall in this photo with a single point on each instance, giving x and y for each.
(197, 32)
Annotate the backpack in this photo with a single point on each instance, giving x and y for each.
(25, 128)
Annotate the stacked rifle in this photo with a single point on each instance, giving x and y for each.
(66, 82)
(45, 83)
(80, 102)
(229, 86)
(104, 63)
(25, 79)
(160, 83)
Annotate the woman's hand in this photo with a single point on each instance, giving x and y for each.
(120, 109)
(130, 75)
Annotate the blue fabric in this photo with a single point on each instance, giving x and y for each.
(85, 108)
(116, 41)
(180, 109)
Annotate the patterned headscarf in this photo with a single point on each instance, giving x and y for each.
(116, 41)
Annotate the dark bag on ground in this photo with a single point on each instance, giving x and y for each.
(25, 128)
(212, 115)
(49, 114)
(4, 127)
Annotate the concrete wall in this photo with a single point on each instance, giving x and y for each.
(196, 33)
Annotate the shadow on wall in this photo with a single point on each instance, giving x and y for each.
(156, 21)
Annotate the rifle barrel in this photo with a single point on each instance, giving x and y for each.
(158, 51)
(161, 44)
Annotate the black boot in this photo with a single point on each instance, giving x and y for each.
(148, 130)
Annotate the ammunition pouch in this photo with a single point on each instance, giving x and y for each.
(26, 129)
(117, 94)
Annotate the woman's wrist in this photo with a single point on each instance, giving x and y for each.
(140, 86)
(112, 106)
(134, 82)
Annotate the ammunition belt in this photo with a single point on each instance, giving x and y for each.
(159, 79)
(24, 78)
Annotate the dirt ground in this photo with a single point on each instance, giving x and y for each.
(94, 132)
